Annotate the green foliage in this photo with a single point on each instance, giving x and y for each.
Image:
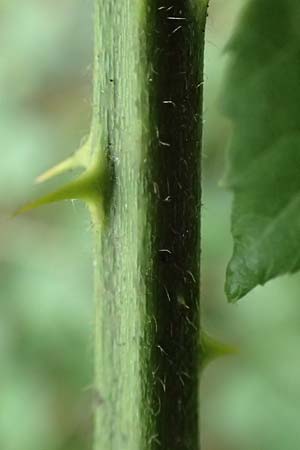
(262, 98)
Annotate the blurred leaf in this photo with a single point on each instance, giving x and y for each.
(262, 97)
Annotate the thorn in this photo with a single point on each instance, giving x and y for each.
(64, 166)
(86, 187)
(225, 182)
(222, 183)
(66, 192)
(78, 159)
(211, 349)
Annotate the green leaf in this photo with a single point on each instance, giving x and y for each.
(262, 98)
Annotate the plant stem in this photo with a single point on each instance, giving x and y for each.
(147, 126)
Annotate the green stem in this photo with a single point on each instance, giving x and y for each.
(147, 125)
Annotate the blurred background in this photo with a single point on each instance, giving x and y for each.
(250, 401)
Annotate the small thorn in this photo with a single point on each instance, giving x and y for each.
(222, 183)
(212, 349)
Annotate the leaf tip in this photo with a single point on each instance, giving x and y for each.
(232, 291)
(239, 280)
